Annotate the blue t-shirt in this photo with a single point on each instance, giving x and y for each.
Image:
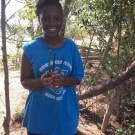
(53, 111)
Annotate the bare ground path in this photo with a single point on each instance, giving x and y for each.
(17, 94)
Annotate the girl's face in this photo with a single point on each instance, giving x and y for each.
(51, 19)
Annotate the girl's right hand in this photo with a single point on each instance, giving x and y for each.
(47, 80)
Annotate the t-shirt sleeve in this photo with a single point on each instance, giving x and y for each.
(27, 50)
(77, 69)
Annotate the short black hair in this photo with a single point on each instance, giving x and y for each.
(42, 3)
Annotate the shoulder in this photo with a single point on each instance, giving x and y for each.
(69, 40)
(70, 43)
(31, 43)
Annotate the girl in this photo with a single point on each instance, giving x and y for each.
(51, 68)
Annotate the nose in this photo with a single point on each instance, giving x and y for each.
(52, 21)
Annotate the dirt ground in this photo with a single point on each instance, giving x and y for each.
(91, 110)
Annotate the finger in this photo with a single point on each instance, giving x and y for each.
(56, 87)
(55, 83)
(49, 86)
(48, 82)
(45, 81)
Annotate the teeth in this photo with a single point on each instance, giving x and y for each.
(52, 29)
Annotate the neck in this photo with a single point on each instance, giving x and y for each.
(53, 42)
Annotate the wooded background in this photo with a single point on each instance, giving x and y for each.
(105, 28)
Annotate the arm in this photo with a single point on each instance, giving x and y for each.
(27, 77)
(47, 80)
(71, 81)
(59, 81)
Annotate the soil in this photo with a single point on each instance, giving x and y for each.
(91, 110)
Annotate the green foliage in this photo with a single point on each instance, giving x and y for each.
(113, 23)
(127, 93)
(98, 127)
(130, 130)
(88, 81)
(16, 32)
(18, 117)
(28, 15)
(73, 31)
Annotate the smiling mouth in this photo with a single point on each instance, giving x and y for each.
(52, 30)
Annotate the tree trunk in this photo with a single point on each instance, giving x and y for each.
(110, 108)
(133, 85)
(107, 49)
(65, 15)
(6, 122)
(120, 111)
(110, 84)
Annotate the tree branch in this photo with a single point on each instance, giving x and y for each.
(110, 84)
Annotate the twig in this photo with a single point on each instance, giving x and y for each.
(54, 57)
(49, 61)
(61, 65)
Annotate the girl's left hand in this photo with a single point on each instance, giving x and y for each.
(58, 80)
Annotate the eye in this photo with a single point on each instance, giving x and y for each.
(46, 19)
(57, 18)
